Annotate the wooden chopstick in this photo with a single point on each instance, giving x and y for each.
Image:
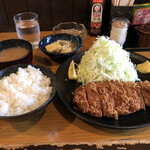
(137, 49)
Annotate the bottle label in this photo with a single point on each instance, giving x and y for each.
(96, 18)
(97, 1)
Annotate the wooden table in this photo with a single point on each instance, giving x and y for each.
(57, 126)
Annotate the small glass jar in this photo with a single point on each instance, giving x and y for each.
(119, 30)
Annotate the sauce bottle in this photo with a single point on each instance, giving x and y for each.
(96, 17)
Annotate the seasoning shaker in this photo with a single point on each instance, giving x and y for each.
(119, 30)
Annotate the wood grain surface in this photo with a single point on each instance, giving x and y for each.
(57, 126)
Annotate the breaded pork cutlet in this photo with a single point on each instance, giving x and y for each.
(118, 93)
(145, 88)
(80, 99)
(108, 103)
(112, 98)
(134, 94)
(94, 100)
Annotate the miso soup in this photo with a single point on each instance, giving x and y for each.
(13, 53)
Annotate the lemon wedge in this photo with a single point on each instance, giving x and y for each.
(144, 67)
(71, 71)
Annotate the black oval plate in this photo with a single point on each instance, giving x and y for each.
(65, 88)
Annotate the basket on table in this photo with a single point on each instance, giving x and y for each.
(144, 35)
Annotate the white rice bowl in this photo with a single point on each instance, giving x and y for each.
(23, 91)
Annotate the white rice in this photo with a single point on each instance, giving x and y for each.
(23, 91)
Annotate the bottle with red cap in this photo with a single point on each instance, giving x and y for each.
(96, 17)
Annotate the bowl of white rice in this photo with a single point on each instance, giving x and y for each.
(25, 91)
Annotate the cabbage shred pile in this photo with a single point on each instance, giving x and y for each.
(106, 60)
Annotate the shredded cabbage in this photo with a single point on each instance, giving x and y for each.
(106, 60)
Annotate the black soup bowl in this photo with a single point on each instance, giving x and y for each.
(76, 40)
(36, 113)
(12, 43)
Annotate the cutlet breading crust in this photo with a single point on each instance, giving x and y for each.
(112, 98)
(145, 91)
(108, 103)
(81, 100)
(93, 99)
